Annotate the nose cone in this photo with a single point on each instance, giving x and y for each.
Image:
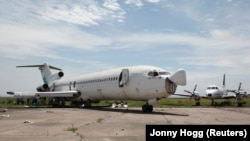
(179, 77)
(213, 93)
(209, 92)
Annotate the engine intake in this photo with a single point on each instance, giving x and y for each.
(60, 74)
(44, 87)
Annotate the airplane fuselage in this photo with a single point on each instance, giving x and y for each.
(143, 83)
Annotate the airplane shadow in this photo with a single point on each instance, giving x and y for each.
(134, 111)
(121, 110)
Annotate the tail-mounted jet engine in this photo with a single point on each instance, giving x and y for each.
(43, 88)
(46, 87)
(57, 76)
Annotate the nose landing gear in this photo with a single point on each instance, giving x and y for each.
(148, 107)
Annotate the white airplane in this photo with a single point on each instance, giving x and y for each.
(215, 92)
(142, 83)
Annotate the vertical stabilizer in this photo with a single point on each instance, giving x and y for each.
(45, 71)
(224, 81)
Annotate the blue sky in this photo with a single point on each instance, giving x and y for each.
(206, 38)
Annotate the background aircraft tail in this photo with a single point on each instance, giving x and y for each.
(224, 81)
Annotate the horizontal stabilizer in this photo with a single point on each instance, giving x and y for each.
(22, 94)
(52, 67)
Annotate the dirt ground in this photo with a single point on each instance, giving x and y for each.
(105, 124)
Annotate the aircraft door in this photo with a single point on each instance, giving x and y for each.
(70, 83)
(123, 81)
(125, 76)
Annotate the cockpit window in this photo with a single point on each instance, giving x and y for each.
(213, 88)
(164, 73)
(153, 73)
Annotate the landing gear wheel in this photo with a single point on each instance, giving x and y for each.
(212, 102)
(147, 108)
(150, 108)
(198, 104)
(240, 104)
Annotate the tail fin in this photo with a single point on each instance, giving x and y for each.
(46, 72)
(224, 81)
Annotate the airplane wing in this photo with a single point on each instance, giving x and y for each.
(225, 97)
(197, 96)
(45, 94)
(183, 95)
(58, 94)
(229, 97)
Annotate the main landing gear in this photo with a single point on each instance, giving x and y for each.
(146, 108)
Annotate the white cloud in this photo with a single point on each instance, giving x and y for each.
(21, 41)
(217, 39)
(82, 15)
(210, 20)
(218, 61)
(137, 3)
(217, 33)
(153, 1)
(112, 5)
(220, 49)
(115, 10)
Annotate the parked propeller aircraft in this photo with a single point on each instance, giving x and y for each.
(142, 83)
(215, 92)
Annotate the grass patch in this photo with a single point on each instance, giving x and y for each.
(99, 120)
(72, 128)
(163, 103)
